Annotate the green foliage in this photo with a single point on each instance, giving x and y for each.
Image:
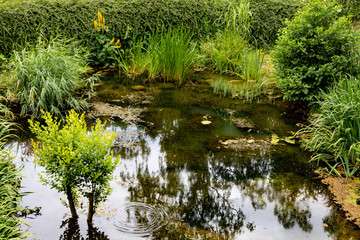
(9, 189)
(315, 48)
(225, 52)
(47, 76)
(248, 90)
(171, 55)
(73, 157)
(106, 48)
(335, 130)
(351, 7)
(268, 18)
(21, 21)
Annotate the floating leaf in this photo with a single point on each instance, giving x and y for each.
(205, 122)
(290, 140)
(274, 138)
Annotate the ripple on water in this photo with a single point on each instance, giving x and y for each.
(139, 218)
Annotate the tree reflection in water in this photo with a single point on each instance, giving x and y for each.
(198, 181)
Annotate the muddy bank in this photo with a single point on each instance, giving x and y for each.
(344, 194)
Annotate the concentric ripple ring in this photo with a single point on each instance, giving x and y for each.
(139, 218)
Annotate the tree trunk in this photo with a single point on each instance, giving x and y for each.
(71, 201)
(91, 208)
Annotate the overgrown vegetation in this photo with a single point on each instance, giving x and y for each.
(9, 188)
(48, 76)
(315, 49)
(335, 130)
(75, 160)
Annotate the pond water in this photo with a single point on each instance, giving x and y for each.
(178, 181)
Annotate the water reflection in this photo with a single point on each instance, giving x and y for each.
(174, 183)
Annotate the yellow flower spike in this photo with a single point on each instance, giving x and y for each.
(103, 18)
(95, 25)
(117, 42)
(118, 46)
(112, 40)
(99, 16)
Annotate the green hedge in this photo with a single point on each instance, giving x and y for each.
(268, 18)
(23, 21)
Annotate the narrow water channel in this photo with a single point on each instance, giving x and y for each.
(179, 180)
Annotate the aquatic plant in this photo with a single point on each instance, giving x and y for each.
(246, 90)
(171, 55)
(335, 129)
(314, 49)
(253, 61)
(75, 161)
(136, 61)
(9, 189)
(47, 77)
(225, 53)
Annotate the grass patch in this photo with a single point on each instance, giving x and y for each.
(335, 130)
(48, 76)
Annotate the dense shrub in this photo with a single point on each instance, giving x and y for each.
(315, 48)
(21, 21)
(47, 76)
(334, 130)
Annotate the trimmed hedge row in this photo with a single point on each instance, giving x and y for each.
(22, 21)
(268, 18)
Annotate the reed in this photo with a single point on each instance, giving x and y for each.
(47, 77)
(9, 189)
(335, 129)
(171, 55)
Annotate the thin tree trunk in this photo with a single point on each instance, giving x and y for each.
(71, 201)
(91, 208)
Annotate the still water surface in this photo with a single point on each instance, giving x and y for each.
(176, 183)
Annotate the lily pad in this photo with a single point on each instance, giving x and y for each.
(205, 122)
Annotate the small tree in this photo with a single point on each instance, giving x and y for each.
(316, 47)
(74, 159)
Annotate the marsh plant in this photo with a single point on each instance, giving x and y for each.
(9, 189)
(335, 129)
(75, 160)
(171, 55)
(246, 90)
(48, 76)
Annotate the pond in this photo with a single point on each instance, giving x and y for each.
(188, 172)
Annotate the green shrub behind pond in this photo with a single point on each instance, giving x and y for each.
(315, 49)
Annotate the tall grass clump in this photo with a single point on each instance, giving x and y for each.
(48, 76)
(335, 130)
(171, 55)
(9, 189)
(224, 53)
